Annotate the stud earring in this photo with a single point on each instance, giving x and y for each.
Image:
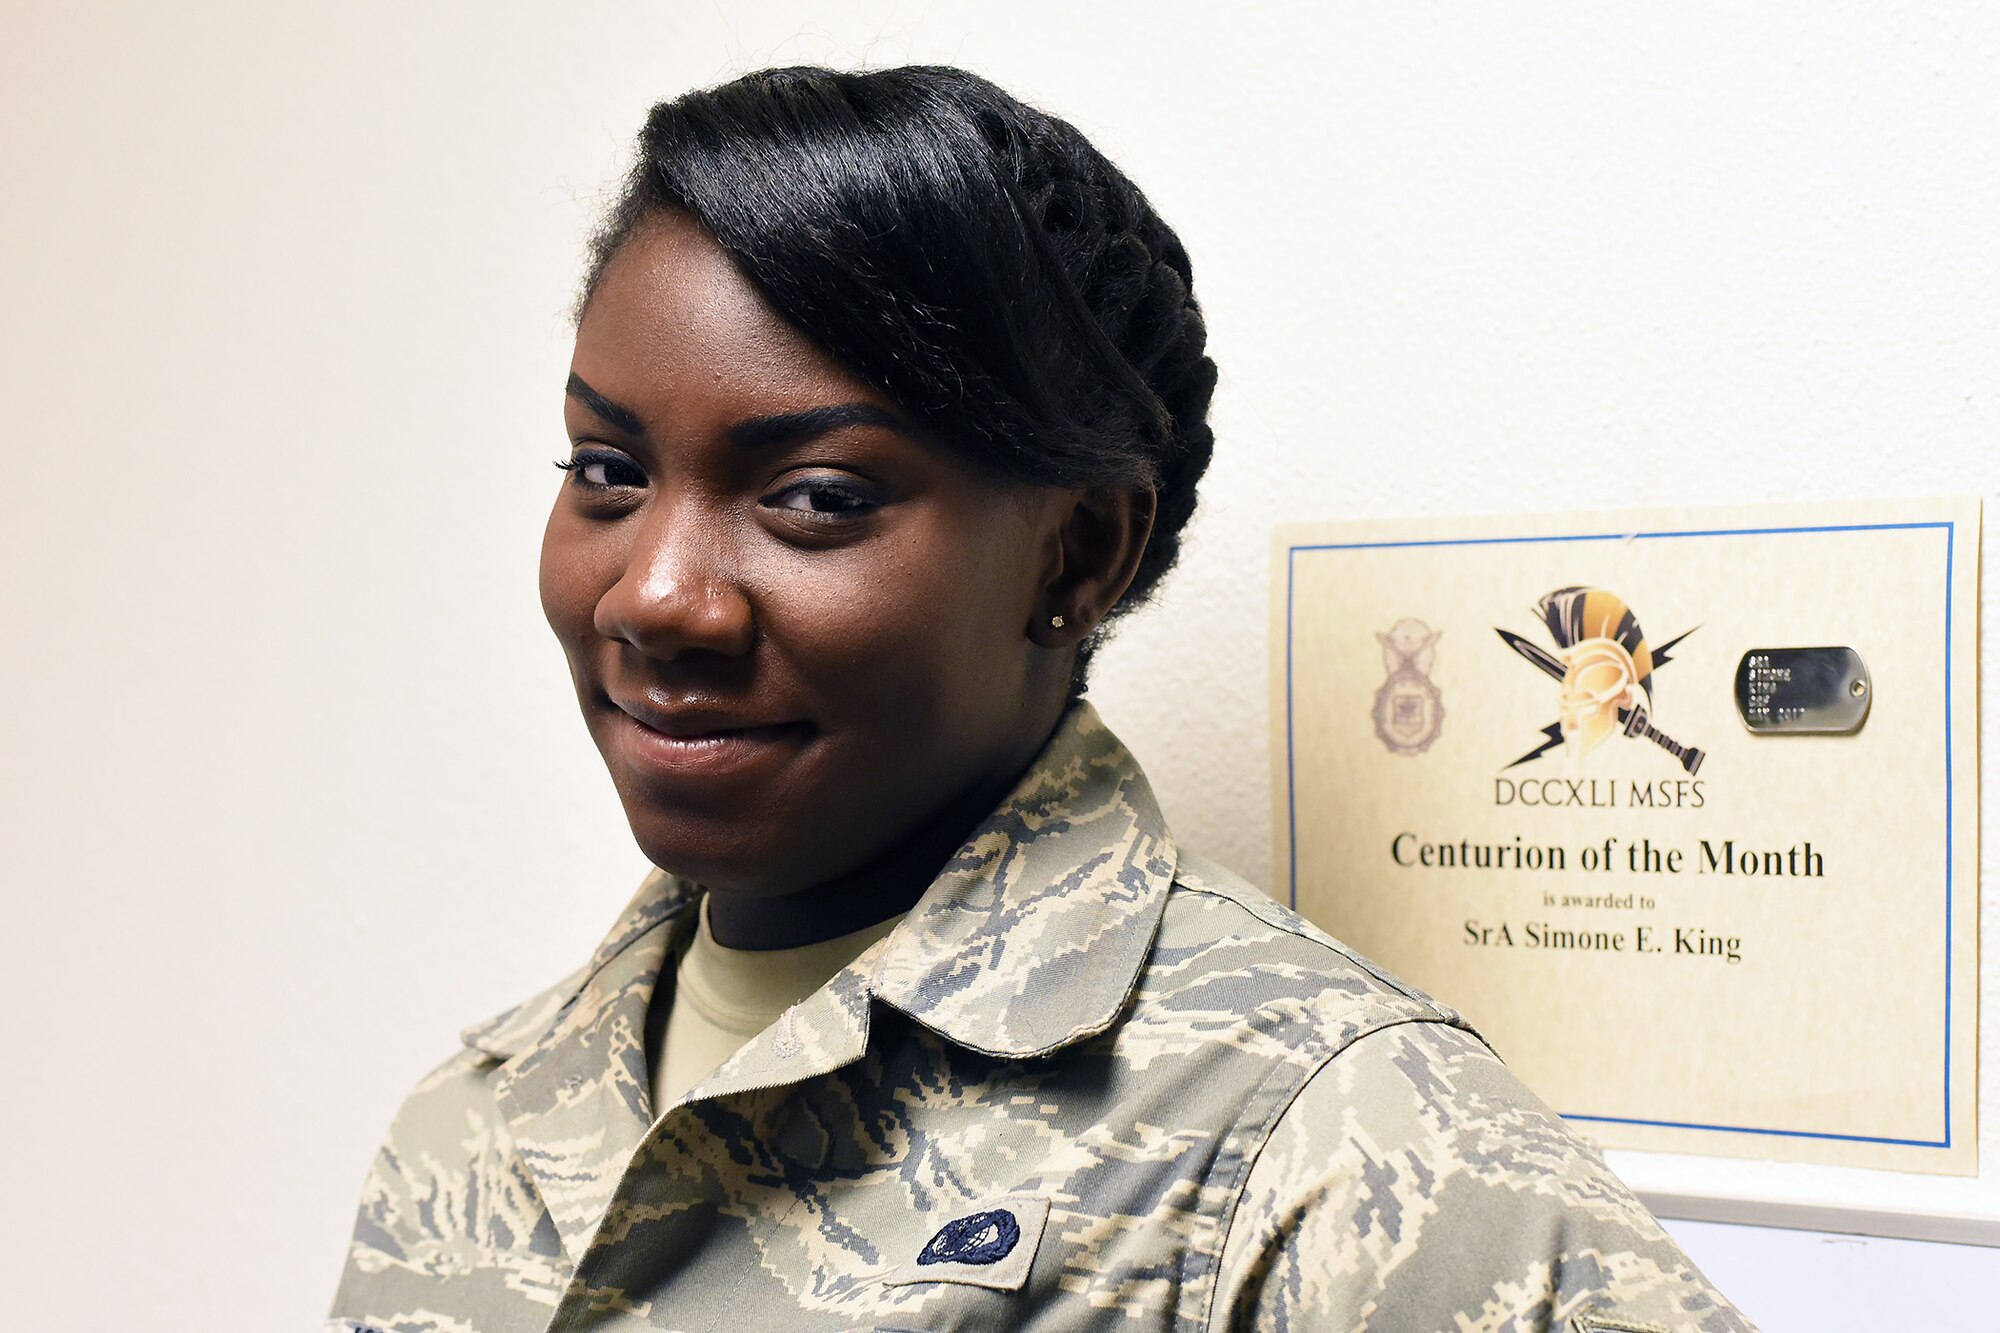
(1056, 622)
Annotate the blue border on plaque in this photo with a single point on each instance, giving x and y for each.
(1950, 540)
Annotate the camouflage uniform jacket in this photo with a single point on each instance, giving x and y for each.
(1088, 1083)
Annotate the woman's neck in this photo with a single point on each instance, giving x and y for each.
(876, 891)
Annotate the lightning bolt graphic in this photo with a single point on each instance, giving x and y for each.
(1553, 734)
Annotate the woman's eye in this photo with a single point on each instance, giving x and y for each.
(824, 499)
(601, 471)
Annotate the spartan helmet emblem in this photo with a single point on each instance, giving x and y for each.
(1607, 667)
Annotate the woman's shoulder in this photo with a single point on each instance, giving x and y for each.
(507, 1032)
(443, 1192)
(1224, 935)
(1406, 1171)
(457, 1091)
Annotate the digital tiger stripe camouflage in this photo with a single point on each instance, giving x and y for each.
(1087, 1084)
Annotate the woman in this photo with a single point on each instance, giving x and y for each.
(888, 394)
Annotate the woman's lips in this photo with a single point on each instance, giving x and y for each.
(700, 745)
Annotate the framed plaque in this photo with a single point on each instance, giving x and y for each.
(1679, 807)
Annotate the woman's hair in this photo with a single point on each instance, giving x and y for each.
(975, 259)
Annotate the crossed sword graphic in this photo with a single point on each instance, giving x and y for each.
(1634, 718)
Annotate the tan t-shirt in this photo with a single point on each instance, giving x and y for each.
(723, 997)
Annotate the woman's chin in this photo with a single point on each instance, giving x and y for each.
(717, 857)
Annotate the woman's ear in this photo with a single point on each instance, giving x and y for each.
(1095, 555)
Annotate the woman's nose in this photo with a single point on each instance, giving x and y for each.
(679, 593)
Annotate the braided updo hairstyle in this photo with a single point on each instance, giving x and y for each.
(975, 259)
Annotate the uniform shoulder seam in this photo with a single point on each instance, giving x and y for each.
(509, 1031)
(1197, 874)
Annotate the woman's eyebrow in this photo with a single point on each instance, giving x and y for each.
(624, 418)
(791, 427)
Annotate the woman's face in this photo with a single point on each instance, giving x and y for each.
(798, 632)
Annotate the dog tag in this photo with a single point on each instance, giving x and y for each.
(1803, 691)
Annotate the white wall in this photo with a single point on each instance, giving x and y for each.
(293, 781)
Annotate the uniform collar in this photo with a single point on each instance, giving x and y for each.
(660, 899)
(1030, 939)
(1033, 936)
(573, 1087)
(1074, 863)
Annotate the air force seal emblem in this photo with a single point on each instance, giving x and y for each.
(1409, 711)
